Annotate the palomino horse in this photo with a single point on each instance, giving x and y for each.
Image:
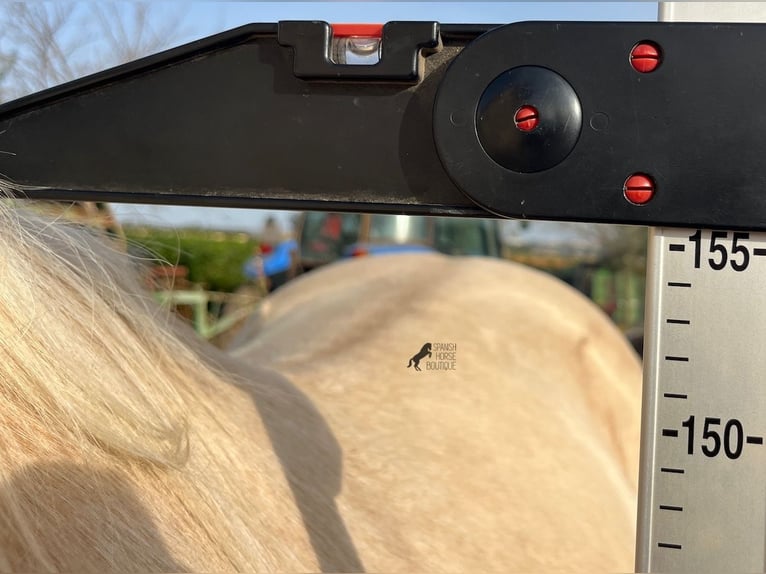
(516, 446)
(126, 444)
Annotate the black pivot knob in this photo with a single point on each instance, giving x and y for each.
(528, 119)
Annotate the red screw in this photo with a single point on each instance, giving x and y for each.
(526, 118)
(638, 189)
(645, 57)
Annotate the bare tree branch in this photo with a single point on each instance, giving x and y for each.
(137, 30)
(43, 44)
(34, 31)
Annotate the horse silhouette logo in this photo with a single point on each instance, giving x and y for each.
(425, 351)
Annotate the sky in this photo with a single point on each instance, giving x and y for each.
(205, 18)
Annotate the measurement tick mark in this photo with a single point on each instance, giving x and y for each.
(677, 247)
(754, 440)
(669, 545)
(759, 251)
(677, 284)
(679, 321)
(673, 508)
(675, 396)
(674, 358)
(669, 432)
(672, 470)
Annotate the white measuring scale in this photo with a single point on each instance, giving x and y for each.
(702, 499)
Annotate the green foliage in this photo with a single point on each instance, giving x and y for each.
(214, 258)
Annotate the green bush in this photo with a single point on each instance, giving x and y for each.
(214, 258)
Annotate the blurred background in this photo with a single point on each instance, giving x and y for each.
(214, 264)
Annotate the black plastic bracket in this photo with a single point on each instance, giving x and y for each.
(226, 121)
(696, 125)
(403, 46)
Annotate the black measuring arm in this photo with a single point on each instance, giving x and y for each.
(642, 123)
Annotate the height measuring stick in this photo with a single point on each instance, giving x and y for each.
(702, 502)
(477, 120)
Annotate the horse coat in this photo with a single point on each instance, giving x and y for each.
(126, 444)
(518, 452)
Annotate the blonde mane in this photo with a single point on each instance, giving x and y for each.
(127, 444)
(104, 394)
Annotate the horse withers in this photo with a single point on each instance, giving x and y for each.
(513, 447)
(128, 444)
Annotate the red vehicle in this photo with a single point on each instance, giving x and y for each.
(325, 237)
